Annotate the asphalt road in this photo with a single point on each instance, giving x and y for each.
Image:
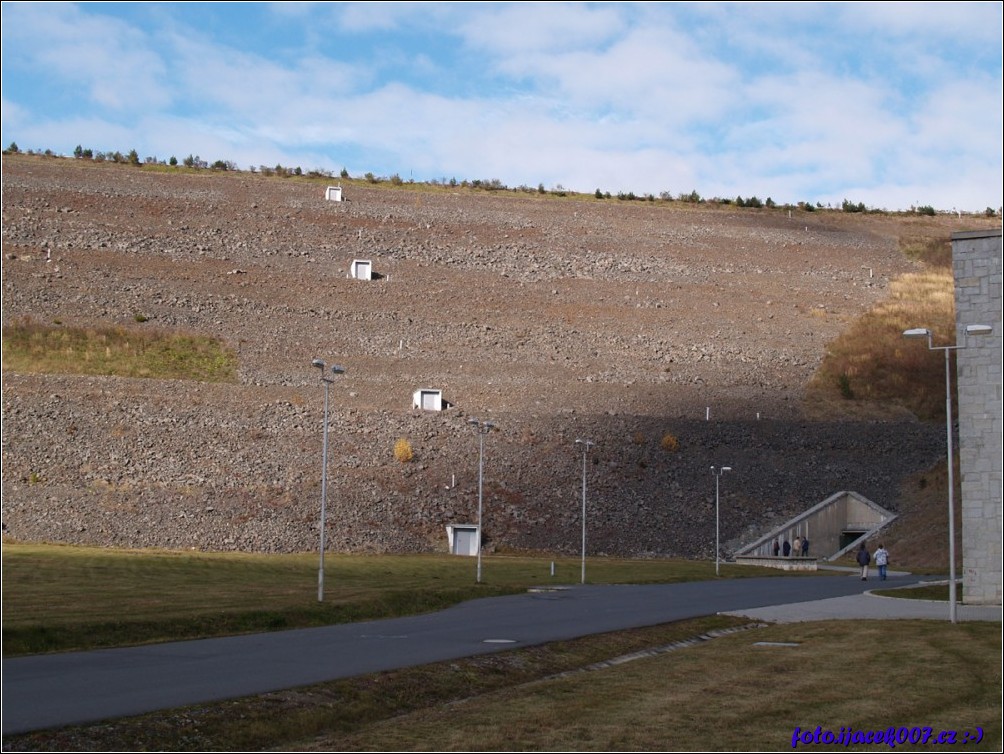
(46, 691)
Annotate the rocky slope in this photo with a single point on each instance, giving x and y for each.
(557, 319)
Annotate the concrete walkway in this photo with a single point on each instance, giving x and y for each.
(870, 606)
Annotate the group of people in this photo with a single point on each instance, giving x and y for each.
(800, 547)
(881, 558)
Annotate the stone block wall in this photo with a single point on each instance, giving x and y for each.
(976, 259)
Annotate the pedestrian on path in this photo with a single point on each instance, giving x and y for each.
(863, 560)
(882, 560)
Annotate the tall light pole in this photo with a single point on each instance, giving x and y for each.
(923, 332)
(482, 428)
(324, 471)
(586, 445)
(718, 475)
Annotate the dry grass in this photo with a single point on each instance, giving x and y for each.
(918, 539)
(872, 363)
(730, 695)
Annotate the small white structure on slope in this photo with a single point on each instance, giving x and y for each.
(427, 400)
(462, 539)
(333, 193)
(362, 269)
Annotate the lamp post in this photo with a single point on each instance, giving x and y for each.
(717, 473)
(482, 428)
(586, 445)
(923, 332)
(324, 471)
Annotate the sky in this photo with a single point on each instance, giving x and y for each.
(894, 105)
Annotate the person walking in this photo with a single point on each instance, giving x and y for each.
(863, 560)
(882, 560)
(796, 547)
(805, 547)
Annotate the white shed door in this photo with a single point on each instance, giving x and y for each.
(465, 542)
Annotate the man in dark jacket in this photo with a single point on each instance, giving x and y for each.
(863, 560)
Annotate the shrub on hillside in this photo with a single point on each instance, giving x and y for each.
(403, 451)
(670, 443)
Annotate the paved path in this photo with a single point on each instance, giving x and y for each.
(46, 691)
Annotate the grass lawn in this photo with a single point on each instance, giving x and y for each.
(937, 592)
(60, 597)
(748, 689)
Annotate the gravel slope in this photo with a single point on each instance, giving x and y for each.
(555, 318)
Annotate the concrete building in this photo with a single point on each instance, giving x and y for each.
(976, 260)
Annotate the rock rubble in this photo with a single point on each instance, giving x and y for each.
(556, 319)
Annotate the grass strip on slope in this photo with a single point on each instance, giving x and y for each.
(30, 347)
(62, 598)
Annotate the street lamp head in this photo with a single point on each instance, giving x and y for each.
(587, 443)
(917, 332)
(318, 363)
(978, 329)
(726, 468)
(480, 426)
(337, 369)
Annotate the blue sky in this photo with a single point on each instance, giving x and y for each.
(890, 104)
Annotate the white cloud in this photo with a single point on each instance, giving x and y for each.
(101, 56)
(975, 22)
(650, 73)
(513, 30)
(13, 116)
(368, 17)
